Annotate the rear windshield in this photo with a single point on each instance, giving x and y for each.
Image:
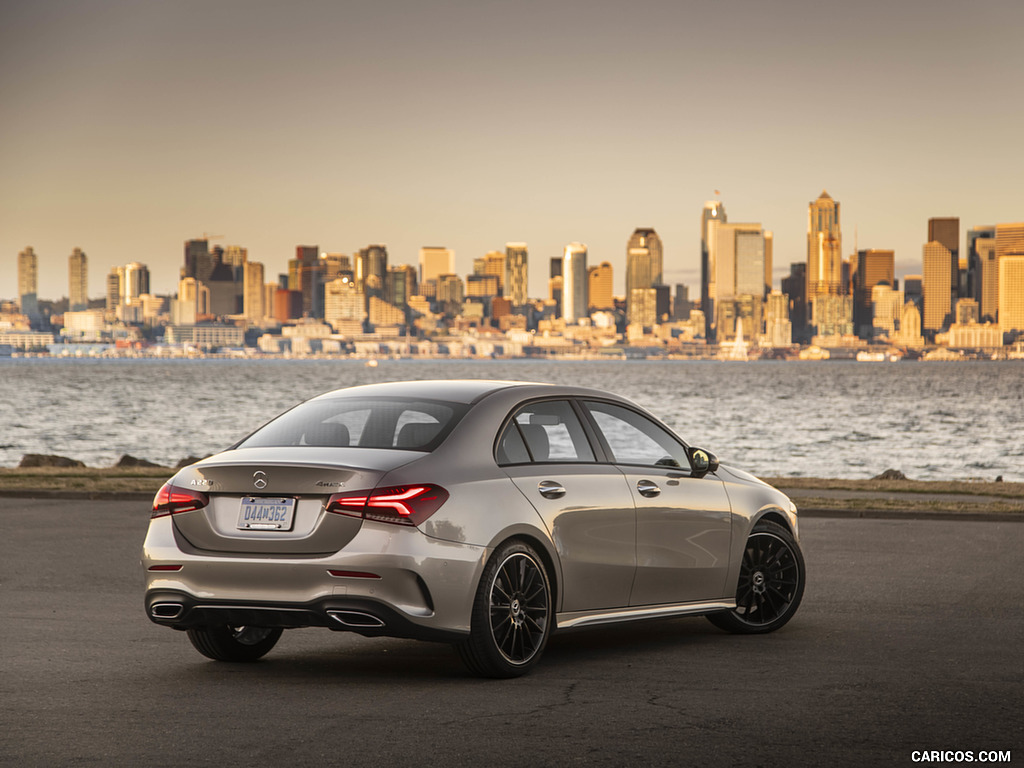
(341, 422)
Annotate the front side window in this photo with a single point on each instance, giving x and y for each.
(341, 422)
(635, 439)
(544, 432)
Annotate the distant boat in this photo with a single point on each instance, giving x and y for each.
(871, 357)
(372, 363)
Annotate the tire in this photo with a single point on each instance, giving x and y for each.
(771, 582)
(512, 614)
(240, 644)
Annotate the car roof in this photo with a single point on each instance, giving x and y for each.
(453, 390)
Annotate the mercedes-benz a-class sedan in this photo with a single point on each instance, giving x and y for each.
(486, 514)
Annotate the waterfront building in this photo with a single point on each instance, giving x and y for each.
(885, 310)
(599, 287)
(1011, 290)
(778, 329)
(873, 267)
(384, 313)
(712, 215)
(972, 336)
(78, 281)
(643, 307)
(253, 295)
(946, 230)
(206, 336)
(345, 307)
(436, 261)
(832, 316)
(966, 312)
(909, 334)
(574, 275)
(28, 283)
(936, 287)
(517, 284)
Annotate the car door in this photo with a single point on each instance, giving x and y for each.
(684, 523)
(586, 506)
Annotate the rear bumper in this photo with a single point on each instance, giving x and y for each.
(370, 618)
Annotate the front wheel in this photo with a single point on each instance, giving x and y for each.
(771, 582)
(226, 643)
(512, 614)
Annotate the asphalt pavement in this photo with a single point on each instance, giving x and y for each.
(908, 640)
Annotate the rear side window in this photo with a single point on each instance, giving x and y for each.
(544, 432)
(341, 422)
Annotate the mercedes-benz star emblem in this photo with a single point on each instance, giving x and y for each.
(259, 479)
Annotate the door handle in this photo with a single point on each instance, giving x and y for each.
(647, 488)
(550, 489)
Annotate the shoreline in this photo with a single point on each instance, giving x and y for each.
(814, 497)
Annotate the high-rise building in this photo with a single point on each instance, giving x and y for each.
(599, 286)
(136, 282)
(517, 284)
(981, 263)
(492, 263)
(639, 277)
(648, 238)
(1011, 290)
(739, 276)
(436, 261)
(344, 306)
(78, 281)
(198, 263)
(574, 276)
(28, 282)
(115, 288)
(886, 308)
(946, 230)
(936, 287)
(400, 285)
(778, 330)
(712, 215)
(253, 295)
(874, 267)
(795, 286)
(769, 256)
(824, 248)
(643, 306)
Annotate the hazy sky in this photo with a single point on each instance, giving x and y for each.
(128, 127)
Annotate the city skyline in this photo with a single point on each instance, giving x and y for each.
(131, 128)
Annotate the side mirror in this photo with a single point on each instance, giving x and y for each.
(701, 462)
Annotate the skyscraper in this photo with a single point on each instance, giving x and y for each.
(574, 275)
(517, 284)
(824, 248)
(873, 267)
(28, 282)
(648, 238)
(436, 261)
(639, 277)
(946, 230)
(1011, 291)
(115, 288)
(936, 287)
(253, 294)
(78, 281)
(981, 243)
(136, 281)
(739, 278)
(599, 286)
(711, 217)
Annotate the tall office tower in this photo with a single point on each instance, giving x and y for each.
(1009, 239)
(1011, 291)
(436, 261)
(235, 256)
(335, 265)
(795, 286)
(450, 290)
(639, 277)
(966, 312)
(253, 300)
(400, 285)
(599, 286)
(873, 268)
(493, 263)
(198, 263)
(739, 276)
(947, 232)
(344, 306)
(28, 282)
(711, 217)
(136, 281)
(979, 238)
(517, 285)
(574, 285)
(910, 325)
(769, 256)
(371, 270)
(936, 287)
(886, 307)
(824, 248)
(78, 281)
(648, 238)
(681, 305)
(115, 288)
(643, 306)
(778, 330)
(305, 275)
(985, 277)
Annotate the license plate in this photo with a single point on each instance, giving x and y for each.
(262, 514)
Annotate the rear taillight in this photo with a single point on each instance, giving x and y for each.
(399, 504)
(170, 500)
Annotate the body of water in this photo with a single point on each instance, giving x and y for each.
(932, 421)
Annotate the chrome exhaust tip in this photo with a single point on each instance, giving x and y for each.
(355, 619)
(166, 610)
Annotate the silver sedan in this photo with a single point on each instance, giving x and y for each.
(486, 514)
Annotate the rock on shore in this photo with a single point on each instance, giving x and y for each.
(32, 460)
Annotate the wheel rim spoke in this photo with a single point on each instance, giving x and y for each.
(519, 608)
(769, 578)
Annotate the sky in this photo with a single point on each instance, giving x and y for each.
(127, 128)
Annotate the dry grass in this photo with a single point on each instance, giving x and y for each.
(971, 488)
(85, 479)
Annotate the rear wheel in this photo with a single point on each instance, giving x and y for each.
(771, 582)
(512, 614)
(225, 643)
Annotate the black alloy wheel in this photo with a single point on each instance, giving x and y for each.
(771, 582)
(512, 614)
